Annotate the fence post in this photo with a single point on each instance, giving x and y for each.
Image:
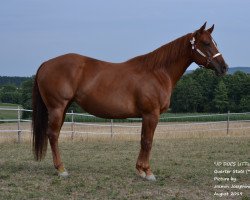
(72, 125)
(228, 120)
(18, 124)
(111, 127)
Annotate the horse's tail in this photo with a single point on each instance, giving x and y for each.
(39, 123)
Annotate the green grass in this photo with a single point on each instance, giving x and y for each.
(106, 170)
(8, 114)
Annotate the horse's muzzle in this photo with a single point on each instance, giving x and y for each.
(221, 70)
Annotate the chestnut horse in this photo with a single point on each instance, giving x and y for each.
(139, 87)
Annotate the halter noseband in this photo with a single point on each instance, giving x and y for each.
(209, 58)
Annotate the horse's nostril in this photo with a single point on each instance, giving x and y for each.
(225, 67)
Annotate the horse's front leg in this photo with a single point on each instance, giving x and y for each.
(149, 124)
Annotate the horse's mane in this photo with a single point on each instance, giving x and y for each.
(164, 55)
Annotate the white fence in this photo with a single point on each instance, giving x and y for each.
(72, 127)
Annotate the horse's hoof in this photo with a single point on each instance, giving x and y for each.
(64, 174)
(141, 174)
(150, 177)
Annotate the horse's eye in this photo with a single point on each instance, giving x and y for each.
(206, 43)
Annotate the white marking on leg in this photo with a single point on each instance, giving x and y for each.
(64, 174)
(150, 177)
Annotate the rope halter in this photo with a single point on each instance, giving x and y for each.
(208, 58)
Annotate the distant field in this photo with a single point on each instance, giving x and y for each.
(105, 169)
(7, 114)
(164, 130)
(172, 117)
(165, 117)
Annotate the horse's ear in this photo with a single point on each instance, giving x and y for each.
(210, 30)
(200, 30)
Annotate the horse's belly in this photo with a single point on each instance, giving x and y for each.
(108, 92)
(109, 107)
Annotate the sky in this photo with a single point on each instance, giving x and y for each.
(33, 31)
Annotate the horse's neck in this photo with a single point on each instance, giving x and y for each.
(171, 59)
(176, 70)
(177, 62)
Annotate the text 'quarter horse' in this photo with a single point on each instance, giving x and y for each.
(139, 87)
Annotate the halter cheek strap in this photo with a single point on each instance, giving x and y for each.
(209, 58)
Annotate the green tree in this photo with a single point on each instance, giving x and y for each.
(187, 96)
(12, 80)
(208, 82)
(10, 94)
(238, 86)
(26, 96)
(244, 105)
(221, 97)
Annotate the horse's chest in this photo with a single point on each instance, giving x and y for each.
(165, 106)
(164, 101)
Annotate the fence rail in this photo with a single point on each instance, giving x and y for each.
(110, 127)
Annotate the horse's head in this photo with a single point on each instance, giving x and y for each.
(205, 52)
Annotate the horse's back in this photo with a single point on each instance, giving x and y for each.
(68, 63)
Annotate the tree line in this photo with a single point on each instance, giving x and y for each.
(12, 80)
(200, 91)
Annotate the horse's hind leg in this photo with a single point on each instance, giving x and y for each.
(56, 118)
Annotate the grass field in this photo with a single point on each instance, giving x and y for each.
(105, 169)
(8, 114)
(131, 131)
